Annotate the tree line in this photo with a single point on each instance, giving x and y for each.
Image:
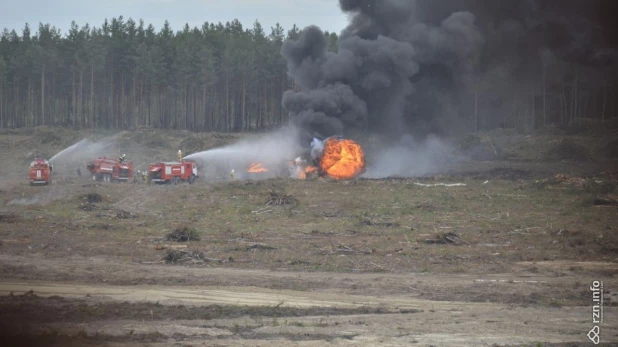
(124, 74)
(226, 78)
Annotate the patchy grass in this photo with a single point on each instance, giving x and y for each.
(323, 225)
(355, 226)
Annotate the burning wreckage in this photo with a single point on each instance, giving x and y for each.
(334, 157)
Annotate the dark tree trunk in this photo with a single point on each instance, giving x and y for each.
(42, 94)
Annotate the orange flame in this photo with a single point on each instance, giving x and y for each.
(342, 159)
(257, 167)
(311, 169)
(302, 174)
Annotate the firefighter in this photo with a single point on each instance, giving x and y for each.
(122, 158)
(79, 172)
(232, 175)
(179, 155)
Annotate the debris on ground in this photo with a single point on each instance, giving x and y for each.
(503, 173)
(610, 175)
(124, 215)
(260, 246)
(86, 206)
(594, 185)
(160, 247)
(610, 200)
(280, 199)
(570, 180)
(567, 149)
(177, 256)
(93, 198)
(183, 234)
(440, 184)
(348, 249)
(263, 210)
(560, 179)
(252, 246)
(444, 238)
(9, 218)
(611, 150)
(102, 226)
(379, 223)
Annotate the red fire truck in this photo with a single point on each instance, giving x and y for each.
(106, 169)
(172, 172)
(40, 172)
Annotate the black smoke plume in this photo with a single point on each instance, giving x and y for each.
(406, 64)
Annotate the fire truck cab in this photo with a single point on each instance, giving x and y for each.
(40, 172)
(172, 172)
(106, 169)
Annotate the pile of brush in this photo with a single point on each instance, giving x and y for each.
(444, 238)
(280, 199)
(183, 233)
(178, 256)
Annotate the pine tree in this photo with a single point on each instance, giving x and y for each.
(216, 77)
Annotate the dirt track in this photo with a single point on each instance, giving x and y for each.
(395, 317)
(454, 323)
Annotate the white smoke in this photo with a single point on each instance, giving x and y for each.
(317, 148)
(85, 150)
(42, 198)
(408, 158)
(273, 151)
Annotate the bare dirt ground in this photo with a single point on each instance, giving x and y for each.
(506, 258)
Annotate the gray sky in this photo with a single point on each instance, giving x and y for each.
(323, 13)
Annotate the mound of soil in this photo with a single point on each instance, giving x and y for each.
(569, 150)
(479, 149)
(157, 141)
(485, 152)
(193, 144)
(148, 138)
(124, 141)
(202, 142)
(54, 137)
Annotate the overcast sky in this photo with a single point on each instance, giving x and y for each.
(323, 13)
